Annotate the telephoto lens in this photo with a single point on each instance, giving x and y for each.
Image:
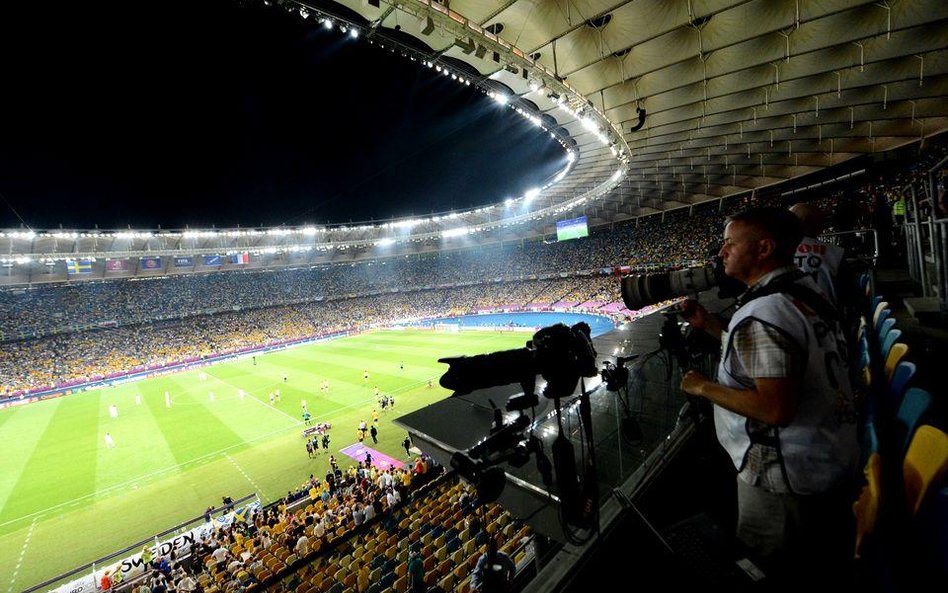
(642, 290)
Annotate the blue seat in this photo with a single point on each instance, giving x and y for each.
(915, 404)
(883, 315)
(890, 338)
(884, 329)
(864, 283)
(904, 371)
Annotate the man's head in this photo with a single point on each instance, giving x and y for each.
(758, 241)
(810, 217)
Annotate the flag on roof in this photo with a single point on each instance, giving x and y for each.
(78, 266)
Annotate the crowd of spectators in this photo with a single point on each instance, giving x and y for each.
(232, 556)
(83, 356)
(48, 309)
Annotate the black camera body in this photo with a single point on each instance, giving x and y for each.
(560, 354)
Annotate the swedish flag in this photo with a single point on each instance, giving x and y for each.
(78, 266)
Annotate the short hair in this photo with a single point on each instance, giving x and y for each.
(811, 217)
(777, 224)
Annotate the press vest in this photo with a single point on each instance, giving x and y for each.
(818, 449)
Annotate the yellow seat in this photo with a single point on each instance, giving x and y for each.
(401, 584)
(447, 582)
(401, 570)
(898, 351)
(879, 309)
(925, 462)
(350, 580)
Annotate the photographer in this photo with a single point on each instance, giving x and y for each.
(783, 407)
(494, 571)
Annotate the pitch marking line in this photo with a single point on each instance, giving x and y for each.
(249, 479)
(19, 562)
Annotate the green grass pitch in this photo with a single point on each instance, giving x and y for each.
(66, 498)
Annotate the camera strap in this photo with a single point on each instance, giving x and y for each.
(788, 284)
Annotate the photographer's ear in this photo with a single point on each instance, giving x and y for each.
(766, 247)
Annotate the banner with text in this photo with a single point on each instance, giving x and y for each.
(133, 566)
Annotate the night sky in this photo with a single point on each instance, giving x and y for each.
(179, 113)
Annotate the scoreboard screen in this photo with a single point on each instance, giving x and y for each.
(573, 228)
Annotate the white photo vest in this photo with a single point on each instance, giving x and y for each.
(821, 261)
(819, 448)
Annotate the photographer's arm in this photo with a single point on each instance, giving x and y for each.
(773, 401)
(694, 313)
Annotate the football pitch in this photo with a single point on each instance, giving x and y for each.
(66, 498)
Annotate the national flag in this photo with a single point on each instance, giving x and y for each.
(151, 263)
(184, 261)
(240, 258)
(212, 260)
(78, 266)
(116, 265)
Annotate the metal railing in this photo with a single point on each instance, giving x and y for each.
(926, 236)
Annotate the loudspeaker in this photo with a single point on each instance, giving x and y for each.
(481, 50)
(638, 126)
(429, 26)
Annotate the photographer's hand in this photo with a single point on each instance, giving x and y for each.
(693, 382)
(694, 313)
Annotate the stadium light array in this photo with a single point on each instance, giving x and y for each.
(456, 232)
(25, 235)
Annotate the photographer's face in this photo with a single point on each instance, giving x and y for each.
(740, 252)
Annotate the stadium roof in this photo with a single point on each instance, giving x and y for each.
(737, 95)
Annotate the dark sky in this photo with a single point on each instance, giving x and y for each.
(204, 112)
